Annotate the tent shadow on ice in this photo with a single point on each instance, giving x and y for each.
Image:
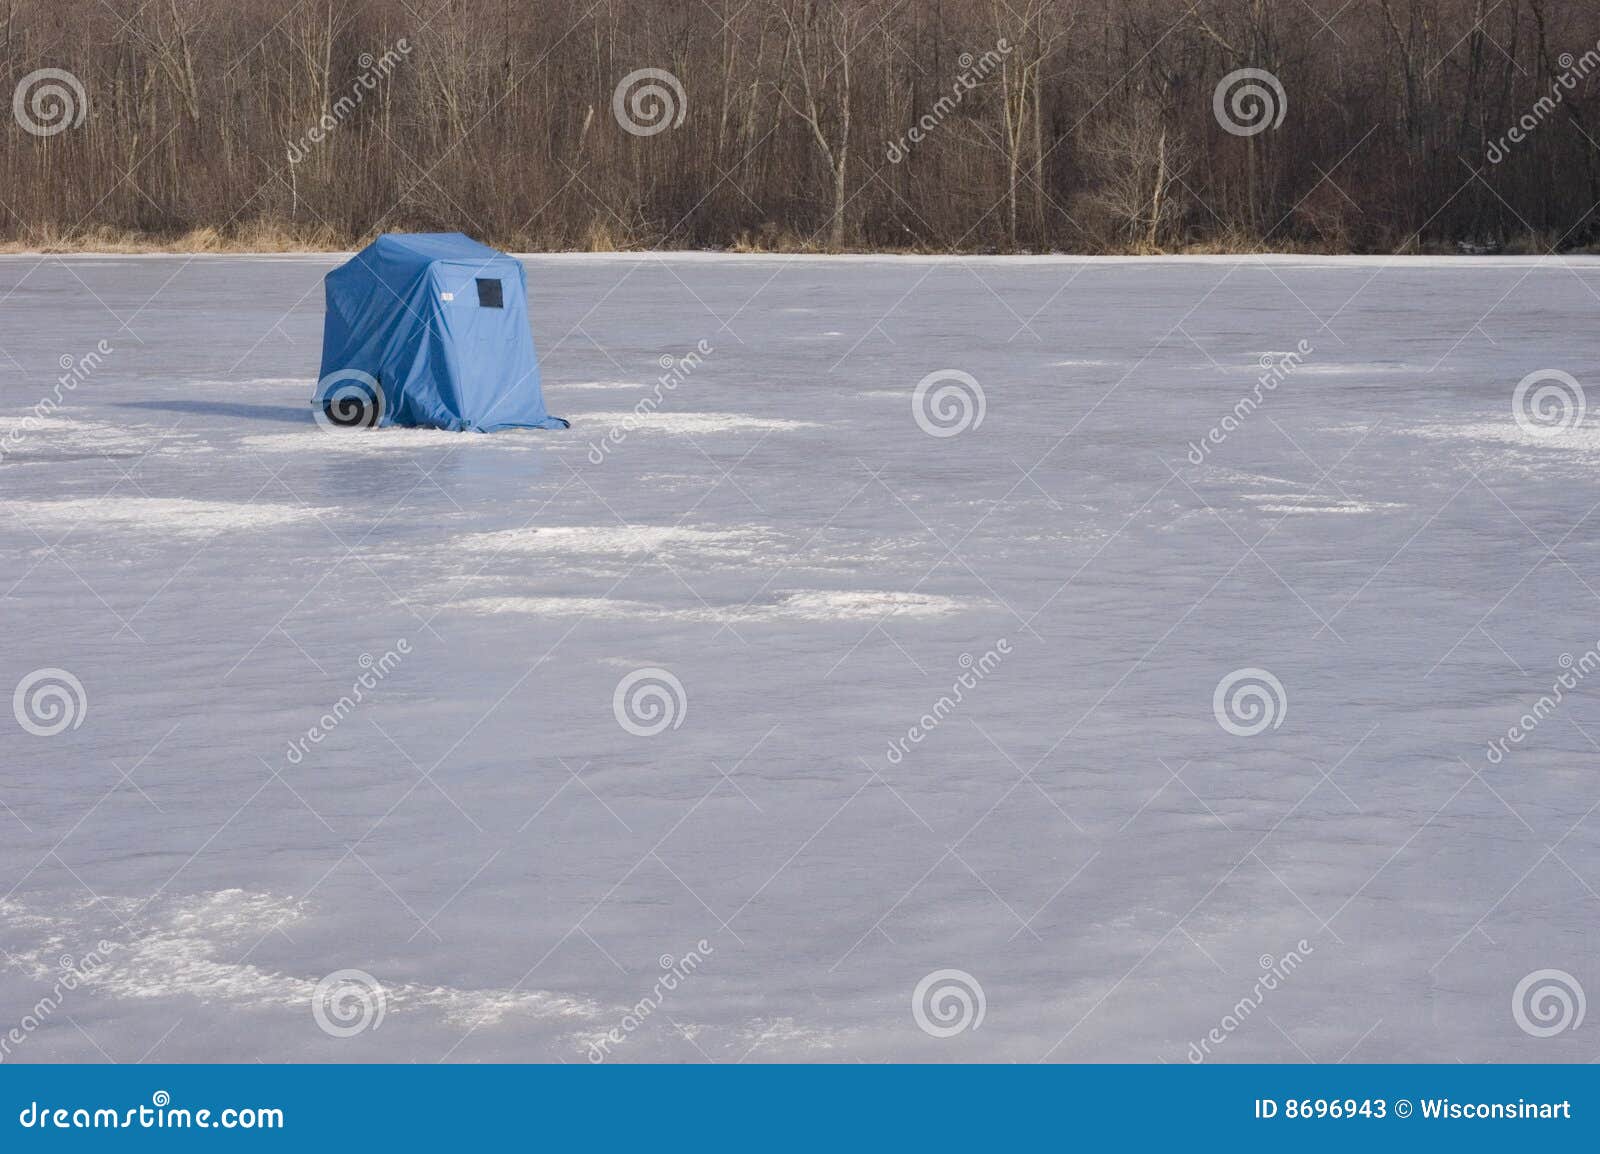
(430, 330)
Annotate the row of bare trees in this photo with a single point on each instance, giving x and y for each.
(1082, 125)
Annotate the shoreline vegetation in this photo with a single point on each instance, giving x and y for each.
(267, 240)
(1093, 127)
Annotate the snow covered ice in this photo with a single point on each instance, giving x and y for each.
(516, 853)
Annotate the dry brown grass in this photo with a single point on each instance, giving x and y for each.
(253, 237)
(261, 237)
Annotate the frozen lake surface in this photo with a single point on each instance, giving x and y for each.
(1123, 875)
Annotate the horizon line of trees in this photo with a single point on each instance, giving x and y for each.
(987, 125)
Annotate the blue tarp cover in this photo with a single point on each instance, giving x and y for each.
(417, 312)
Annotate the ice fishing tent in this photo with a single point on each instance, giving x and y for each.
(430, 329)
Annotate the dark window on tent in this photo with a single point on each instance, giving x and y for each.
(489, 295)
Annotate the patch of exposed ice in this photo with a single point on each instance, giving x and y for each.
(852, 605)
(612, 540)
(183, 952)
(686, 424)
(169, 516)
(315, 439)
(1315, 503)
(27, 437)
(1367, 369)
(308, 385)
(808, 605)
(1336, 507)
(601, 608)
(787, 1034)
(624, 662)
(1226, 476)
(1584, 438)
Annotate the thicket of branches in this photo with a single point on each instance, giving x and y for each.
(1080, 125)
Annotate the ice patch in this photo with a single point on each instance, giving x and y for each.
(688, 424)
(1337, 507)
(1582, 439)
(600, 608)
(611, 540)
(32, 438)
(174, 516)
(179, 955)
(847, 605)
(1287, 503)
(307, 385)
(809, 605)
(787, 1034)
(1371, 369)
(390, 440)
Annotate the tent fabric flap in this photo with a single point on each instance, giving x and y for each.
(440, 323)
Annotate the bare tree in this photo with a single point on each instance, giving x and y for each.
(823, 38)
(1411, 123)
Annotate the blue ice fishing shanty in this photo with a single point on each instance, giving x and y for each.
(430, 329)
